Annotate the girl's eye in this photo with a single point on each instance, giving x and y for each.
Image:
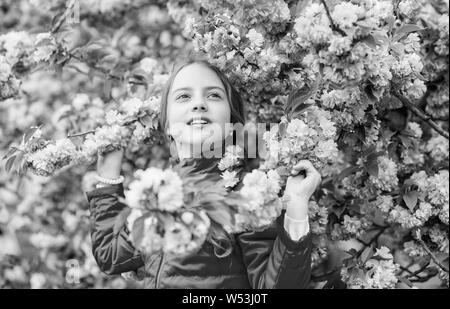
(182, 97)
(215, 95)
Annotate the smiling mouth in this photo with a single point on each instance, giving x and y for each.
(198, 122)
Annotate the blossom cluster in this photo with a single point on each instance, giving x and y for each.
(433, 200)
(52, 157)
(310, 137)
(318, 221)
(19, 53)
(232, 158)
(156, 199)
(379, 272)
(261, 205)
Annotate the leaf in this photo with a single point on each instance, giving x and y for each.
(387, 134)
(408, 185)
(347, 172)
(361, 274)
(374, 156)
(23, 168)
(27, 136)
(140, 73)
(406, 29)
(368, 90)
(20, 161)
(301, 6)
(372, 168)
(220, 215)
(360, 132)
(9, 163)
(355, 206)
(445, 261)
(392, 147)
(147, 120)
(351, 262)
(44, 42)
(296, 102)
(405, 281)
(406, 141)
(380, 38)
(370, 41)
(352, 252)
(109, 60)
(366, 254)
(10, 152)
(390, 21)
(338, 210)
(398, 119)
(368, 151)
(410, 199)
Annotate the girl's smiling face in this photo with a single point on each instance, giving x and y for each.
(197, 107)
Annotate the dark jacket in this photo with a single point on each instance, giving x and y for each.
(260, 259)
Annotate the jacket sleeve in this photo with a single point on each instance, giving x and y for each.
(112, 250)
(274, 260)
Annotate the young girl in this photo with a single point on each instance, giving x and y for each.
(198, 95)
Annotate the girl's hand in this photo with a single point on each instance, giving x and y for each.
(299, 189)
(110, 165)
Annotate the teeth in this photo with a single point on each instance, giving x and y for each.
(199, 122)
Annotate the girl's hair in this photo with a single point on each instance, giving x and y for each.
(218, 237)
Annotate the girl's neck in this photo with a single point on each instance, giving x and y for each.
(189, 151)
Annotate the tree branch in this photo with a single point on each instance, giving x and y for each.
(416, 273)
(101, 70)
(333, 25)
(381, 230)
(80, 134)
(66, 13)
(431, 254)
(416, 111)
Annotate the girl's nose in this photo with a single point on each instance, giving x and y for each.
(200, 106)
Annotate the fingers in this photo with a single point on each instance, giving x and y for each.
(308, 167)
(304, 165)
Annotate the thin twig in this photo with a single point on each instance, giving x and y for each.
(67, 12)
(80, 134)
(77, 69)
(406, 281)
(422, 269)
(423, 279)
(333, 25)
(101, 70)
(413, 274)
(372, 240)
(420, 114)
(431, 254)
